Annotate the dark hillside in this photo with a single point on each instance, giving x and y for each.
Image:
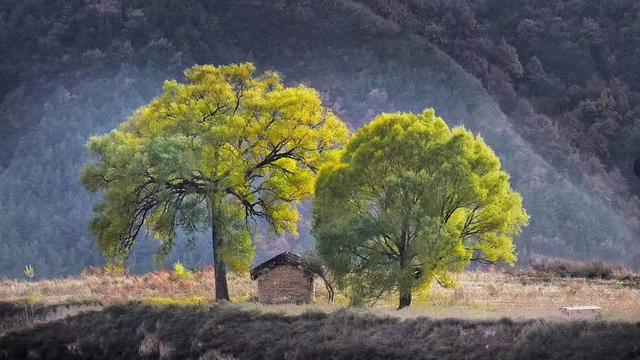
(550, 86)
(141, 332)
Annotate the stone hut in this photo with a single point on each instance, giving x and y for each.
(284, 279)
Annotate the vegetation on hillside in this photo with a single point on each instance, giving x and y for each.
(563, 72)
(594, 269)
(566, 66)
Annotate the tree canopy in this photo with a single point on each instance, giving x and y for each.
(220, 149)
(409, 201)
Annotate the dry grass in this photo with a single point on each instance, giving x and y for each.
(479, 295)
(498, 294)
(109, 289)
(135, 331)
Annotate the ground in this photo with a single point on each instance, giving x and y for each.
(160, 315)
(478, 294)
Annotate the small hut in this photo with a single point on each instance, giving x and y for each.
(284, 279)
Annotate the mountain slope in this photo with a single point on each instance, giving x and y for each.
(76, 68)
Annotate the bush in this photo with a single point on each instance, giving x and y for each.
(29, 271)
(579, 269)
(180, 272)
(93, 271)
(114, 269)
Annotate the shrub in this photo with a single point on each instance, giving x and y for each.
(29, 271)
(579, 269)
(180, 272)
(114, 269)
(93, 271)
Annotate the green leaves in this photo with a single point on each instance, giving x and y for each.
(409, 201)
(29, 271)
(224, 143)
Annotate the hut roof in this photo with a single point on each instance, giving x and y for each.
(285, 258)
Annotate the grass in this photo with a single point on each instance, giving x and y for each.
(168, 316)
(498, 294)
(168, 301)
(118, 288)
(137, 331)
(479, 294)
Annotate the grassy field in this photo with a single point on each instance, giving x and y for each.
(489, 315)
(478, 295)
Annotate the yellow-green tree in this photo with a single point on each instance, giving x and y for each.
(410, 201)
(214, 152)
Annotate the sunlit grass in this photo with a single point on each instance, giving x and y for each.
(478, 294)
(170, 301)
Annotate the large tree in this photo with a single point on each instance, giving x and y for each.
(410, 201)
(214, 152)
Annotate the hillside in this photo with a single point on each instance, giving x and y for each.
(552, 87)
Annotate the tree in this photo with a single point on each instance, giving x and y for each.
(315, 263)
(409, 201)
(217, 151)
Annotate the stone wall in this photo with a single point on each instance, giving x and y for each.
(285, 284)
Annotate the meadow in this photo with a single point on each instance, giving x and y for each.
(490, 294)
(171, 315)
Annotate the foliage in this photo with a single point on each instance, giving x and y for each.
(215, 151)
(180, 272)
(563, 72)
(410, 201)
(114, 269)
(29, 271)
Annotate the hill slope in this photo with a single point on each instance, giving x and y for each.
(549, 87)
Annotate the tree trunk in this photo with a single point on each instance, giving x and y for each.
(405, 289)
(329, 287)
(405, 299)
(222, 290)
